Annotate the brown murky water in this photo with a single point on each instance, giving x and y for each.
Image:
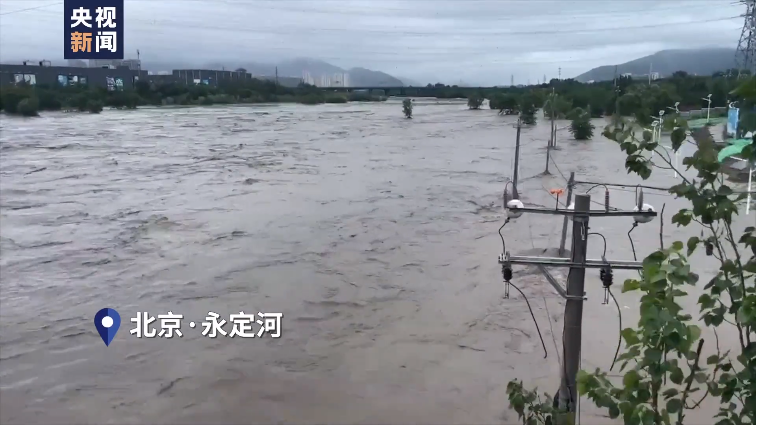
(374, 235)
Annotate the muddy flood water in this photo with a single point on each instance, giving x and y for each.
(375, 236)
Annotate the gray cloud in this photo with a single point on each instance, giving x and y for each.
(479, 42)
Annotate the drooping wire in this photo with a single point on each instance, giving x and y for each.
(596, 185)
(505, 206)
(605, 242)
(500, 232)
(533, 318)
(629, 234)
(618, 347)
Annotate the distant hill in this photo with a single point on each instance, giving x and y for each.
(666, 62)
(293, 68)
(296, 68)
(362, 77)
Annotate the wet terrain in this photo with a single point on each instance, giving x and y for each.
(374, 235)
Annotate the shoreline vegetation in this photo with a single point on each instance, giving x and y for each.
(29, 100)
(635, 98)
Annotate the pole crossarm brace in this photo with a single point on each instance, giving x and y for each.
(558, 288)
(665, 189)
(590, 213)
(565, 262)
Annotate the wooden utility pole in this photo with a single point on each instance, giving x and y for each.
(572, 319)
(552, 120)
(567, 398)
(550, 140)
(616, 89)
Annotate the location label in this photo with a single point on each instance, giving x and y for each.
(107, 322)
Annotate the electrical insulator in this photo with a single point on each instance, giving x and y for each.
(606, 276)
(507, 276)
(607, 200)
(507, 273)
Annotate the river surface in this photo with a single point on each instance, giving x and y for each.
(374, 235)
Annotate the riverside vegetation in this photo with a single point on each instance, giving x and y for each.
(27, 100)
(635, 98)
(665, 371)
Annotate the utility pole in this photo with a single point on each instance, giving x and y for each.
(276, 75)
(572, 319)
(567, 397)
(559, 73)
(650, 75)
(515, 161)
(511, 80)
(552, 119)
(616, 89)
(552, 126)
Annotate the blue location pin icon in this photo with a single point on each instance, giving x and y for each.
(107, 322)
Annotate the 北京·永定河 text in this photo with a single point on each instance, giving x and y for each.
(239, 325)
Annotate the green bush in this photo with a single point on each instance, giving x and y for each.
(475, 101)
(336, 99)
(94, 106)
(581, 127)
(311, 99)
(408, 108)
(28, 107)
(359, 97)
(528, 115)
(575, 113)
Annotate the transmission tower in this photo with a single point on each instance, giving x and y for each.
(745, 55)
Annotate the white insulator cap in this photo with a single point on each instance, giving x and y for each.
(512, 208)
(644, 218)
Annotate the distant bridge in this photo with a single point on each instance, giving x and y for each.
(405, 91)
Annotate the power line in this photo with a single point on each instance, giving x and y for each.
(279, 30)
(30, 8)
(486, 33)
(745, 55)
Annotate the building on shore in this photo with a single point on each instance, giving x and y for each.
(122, 74)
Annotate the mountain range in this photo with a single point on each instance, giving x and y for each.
(666, 62)
(297, 68)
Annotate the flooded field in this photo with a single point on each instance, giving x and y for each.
(375, 236)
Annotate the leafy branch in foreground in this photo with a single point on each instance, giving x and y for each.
(665, 374)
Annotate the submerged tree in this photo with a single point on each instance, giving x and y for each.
(475, 101)
(408, 108)
(529, 114)
(505, 103)
(581, 126)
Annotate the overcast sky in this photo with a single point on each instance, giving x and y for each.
(478, 42)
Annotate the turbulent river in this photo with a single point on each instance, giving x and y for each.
(374, 235)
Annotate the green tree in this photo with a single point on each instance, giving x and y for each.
(94, 106)
(28, 107)
(475, 101)
(581, 127)
(503, 102)
(562, 107)
(408, 108)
